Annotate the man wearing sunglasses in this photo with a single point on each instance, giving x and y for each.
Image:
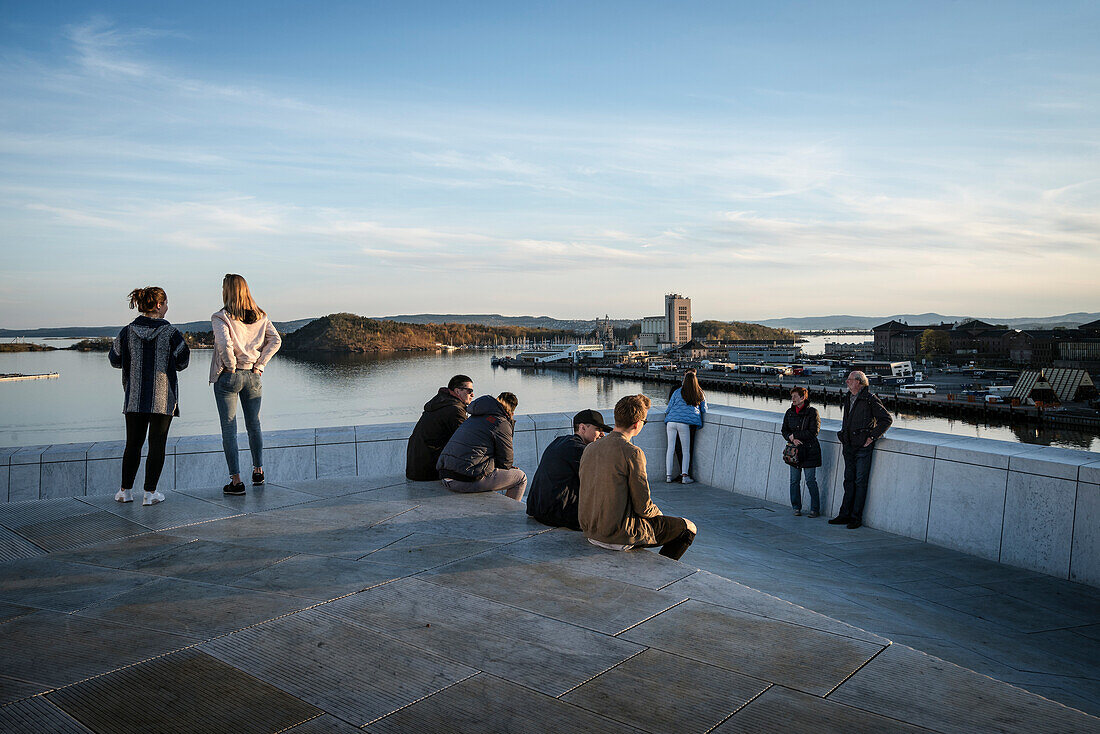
(442, 415)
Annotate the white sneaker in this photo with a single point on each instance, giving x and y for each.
(685, 479)
(123, 495)
(151, 498)
(668, 479)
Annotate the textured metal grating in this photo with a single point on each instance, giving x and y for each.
(15, 515)
(12, 689)
(13, 546)
(38, 716)
(178, 509)
(801, 713)
(355, 674)
(70, 532)
(185, 692)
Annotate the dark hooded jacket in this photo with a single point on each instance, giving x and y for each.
(442, 415)
(481, 444)
(864, 418)
(150, 352)
(804, 426)
(556, 486)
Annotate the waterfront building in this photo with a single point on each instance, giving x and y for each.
(839, 350)
(653, 332)
(561, 353)
(884, 368)
(751, 351)
(677, 319)
(605, 330)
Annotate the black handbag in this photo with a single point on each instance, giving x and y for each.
(792, 454)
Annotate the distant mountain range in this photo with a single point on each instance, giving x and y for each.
(814, 323)
(800, 323)
(82, 332)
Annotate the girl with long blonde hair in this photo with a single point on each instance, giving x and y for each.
(244, 341)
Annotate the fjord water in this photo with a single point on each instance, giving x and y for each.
(85, 402)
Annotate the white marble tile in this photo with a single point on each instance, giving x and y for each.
(551, 420)
(381, 458)
(66, 452)
(836, 496)
(336, 460)
(1085, 562)
(293, 463)
(524, 423)
(1049, 461)
(765, 425)
(201, 470)
(3, 482)
(754, 460)
(24, 481)
(104, 476)
(545, 437)
(899, 493)
(706, 446)
(63, 479)
(525, 454)
(201, 444)
(384, 432)
(1038, 523)
(106, 450)
(27, 455)
(334, 434)
(1089, 473)
(726, 451)
(294, 437)
(967, 508)
(5, 454)
(915, 443)
(980, 451)
(725, 416)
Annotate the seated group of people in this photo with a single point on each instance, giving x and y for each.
(593, 480)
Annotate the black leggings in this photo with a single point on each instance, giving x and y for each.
(136, 426)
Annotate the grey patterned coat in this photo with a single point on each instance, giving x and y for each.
(150, 352)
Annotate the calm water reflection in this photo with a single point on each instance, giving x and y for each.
(85, 403)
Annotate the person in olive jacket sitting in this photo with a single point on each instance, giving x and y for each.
(801, 425)
(556, 485)
(478, 458)
(442, 416)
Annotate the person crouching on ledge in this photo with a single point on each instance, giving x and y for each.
(615, 509)
(478, 457)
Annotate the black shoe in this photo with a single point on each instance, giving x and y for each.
(840, 520)
(798, 513)
(813, 514)
(257, 478)
(857, 523)
(234, 489)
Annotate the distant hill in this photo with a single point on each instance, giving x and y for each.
(80, 332)
(809, 323)
(345, 332)
(732, 330)
(495, 319)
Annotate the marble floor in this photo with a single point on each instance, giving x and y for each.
(339, 605)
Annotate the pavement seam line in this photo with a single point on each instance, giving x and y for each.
(861, 667)
(739, 708)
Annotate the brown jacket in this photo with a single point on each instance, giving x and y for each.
(614, 493)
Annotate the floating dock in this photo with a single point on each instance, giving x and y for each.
(17, 377)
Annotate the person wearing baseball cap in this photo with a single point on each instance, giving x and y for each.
(553, 496)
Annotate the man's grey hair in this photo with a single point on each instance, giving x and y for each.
(861, 377)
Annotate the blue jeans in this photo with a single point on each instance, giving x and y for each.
(857, 473)
(226, 389)
(811, 484)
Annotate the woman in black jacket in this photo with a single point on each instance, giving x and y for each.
(478, 457)
(801, 425)
(149, 351)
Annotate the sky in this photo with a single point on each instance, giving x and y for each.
(561, 158)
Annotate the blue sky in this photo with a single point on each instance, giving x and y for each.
(569, 159)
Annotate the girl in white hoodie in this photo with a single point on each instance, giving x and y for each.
(244, 341)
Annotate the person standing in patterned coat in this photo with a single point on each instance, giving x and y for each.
(149, 351)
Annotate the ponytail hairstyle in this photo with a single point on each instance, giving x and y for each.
(238, 301)
(510, 403)
(691, 392)
(147, 299)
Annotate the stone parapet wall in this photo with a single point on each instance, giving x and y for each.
(1033, 507)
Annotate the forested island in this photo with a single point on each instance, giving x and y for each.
(345, 332)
